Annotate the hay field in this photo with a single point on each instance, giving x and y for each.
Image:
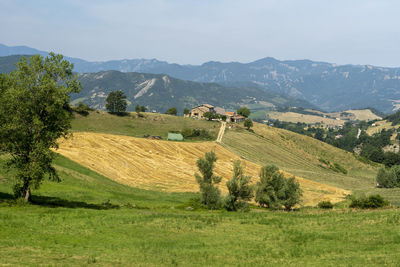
(297, 117)
(364, 114)
(167, 166)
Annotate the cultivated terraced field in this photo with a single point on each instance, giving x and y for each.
(167, 166)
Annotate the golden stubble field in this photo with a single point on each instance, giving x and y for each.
(167, 166)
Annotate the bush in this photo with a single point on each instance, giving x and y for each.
(82, 109)
(196, 133)
(207, 181)
(274, 191)
(371, 202)
(325, 205)
(172, 111)
(240, 190)
(388, 178)
(248, 123)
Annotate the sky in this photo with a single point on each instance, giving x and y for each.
(197, 31)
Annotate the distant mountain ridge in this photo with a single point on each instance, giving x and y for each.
(328, 86)
(160, 92)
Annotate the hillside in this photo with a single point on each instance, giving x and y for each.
(301, 155)
(314, 116)
(294, 153)
(152, 124)
(160, 92)
(167, 166)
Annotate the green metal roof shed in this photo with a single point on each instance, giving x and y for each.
(175, 137)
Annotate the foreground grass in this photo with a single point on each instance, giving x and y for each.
(88, 219)
(152, 124)
(60, 236)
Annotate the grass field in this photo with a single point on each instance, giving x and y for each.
(152, 124)
(73, 223)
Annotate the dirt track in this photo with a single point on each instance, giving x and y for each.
(166, 166)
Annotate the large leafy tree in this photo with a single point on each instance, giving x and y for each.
(34, 113)
(116, 102)
(207, 181)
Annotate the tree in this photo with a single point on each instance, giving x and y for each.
(207, 181)
(388, 178)
(143, 108)
(319, 134)
(240, 190)
(186, 111)
(34, 113)
(209, 115)
(172, 111)
(82, 109)
(244, 111)
(292, 195)
(116, 102)
(248, 123)
(274, 191)
(137, 109)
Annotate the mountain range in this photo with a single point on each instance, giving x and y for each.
(328, 86)
(159, 92)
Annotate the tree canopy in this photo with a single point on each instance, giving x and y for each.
(116, 102)
(244, 111)
(34, 113)
(172, 111)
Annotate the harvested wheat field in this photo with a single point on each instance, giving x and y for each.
(167, 166)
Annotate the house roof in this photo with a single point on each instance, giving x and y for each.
(201, 108)
(207, 106)
(219, 110)
(230, 114)
(238, 117)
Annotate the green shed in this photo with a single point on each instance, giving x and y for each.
(175, 137)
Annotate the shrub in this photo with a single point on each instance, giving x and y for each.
(82, 109)
(207, 180)
(371, 202)
(240, 190)
(274, 191)
(248, 123)
(325, 205)
(172, 111)
(388, 178)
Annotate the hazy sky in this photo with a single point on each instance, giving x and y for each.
(196, 31)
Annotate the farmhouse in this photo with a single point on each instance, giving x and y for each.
(198, 112)
(233, 117)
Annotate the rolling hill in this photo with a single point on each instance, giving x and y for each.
(294, 153)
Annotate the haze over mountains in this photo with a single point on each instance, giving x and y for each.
(328, 86)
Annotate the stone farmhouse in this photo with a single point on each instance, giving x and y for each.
(198, 113)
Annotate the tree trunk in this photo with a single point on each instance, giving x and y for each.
(27, 194)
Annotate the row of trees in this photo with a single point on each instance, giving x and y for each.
(272, 191)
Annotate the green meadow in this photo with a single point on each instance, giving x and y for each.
(88, 219)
